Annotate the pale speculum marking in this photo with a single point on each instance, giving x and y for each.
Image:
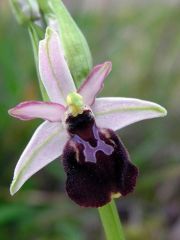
(90, 151)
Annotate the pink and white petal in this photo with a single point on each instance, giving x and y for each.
(45, 145)
(53, 112)
(116, 113)
(94, 82)
(53, 68)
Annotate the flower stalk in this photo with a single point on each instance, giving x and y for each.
(111, 222)
(36, 34)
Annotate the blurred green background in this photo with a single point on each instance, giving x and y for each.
(143, 42)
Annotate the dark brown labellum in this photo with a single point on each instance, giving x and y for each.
(96, 163)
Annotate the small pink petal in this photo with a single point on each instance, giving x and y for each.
(94, 82)
(116, 113)
(53, 68)
(46, 145)
(53, 112)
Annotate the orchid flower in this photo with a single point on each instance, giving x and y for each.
(80, 128)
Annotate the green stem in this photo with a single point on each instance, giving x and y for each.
(36, 34)
(111, 222)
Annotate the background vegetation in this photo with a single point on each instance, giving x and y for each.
(143, 42)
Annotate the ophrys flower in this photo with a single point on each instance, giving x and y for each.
(81, 128)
